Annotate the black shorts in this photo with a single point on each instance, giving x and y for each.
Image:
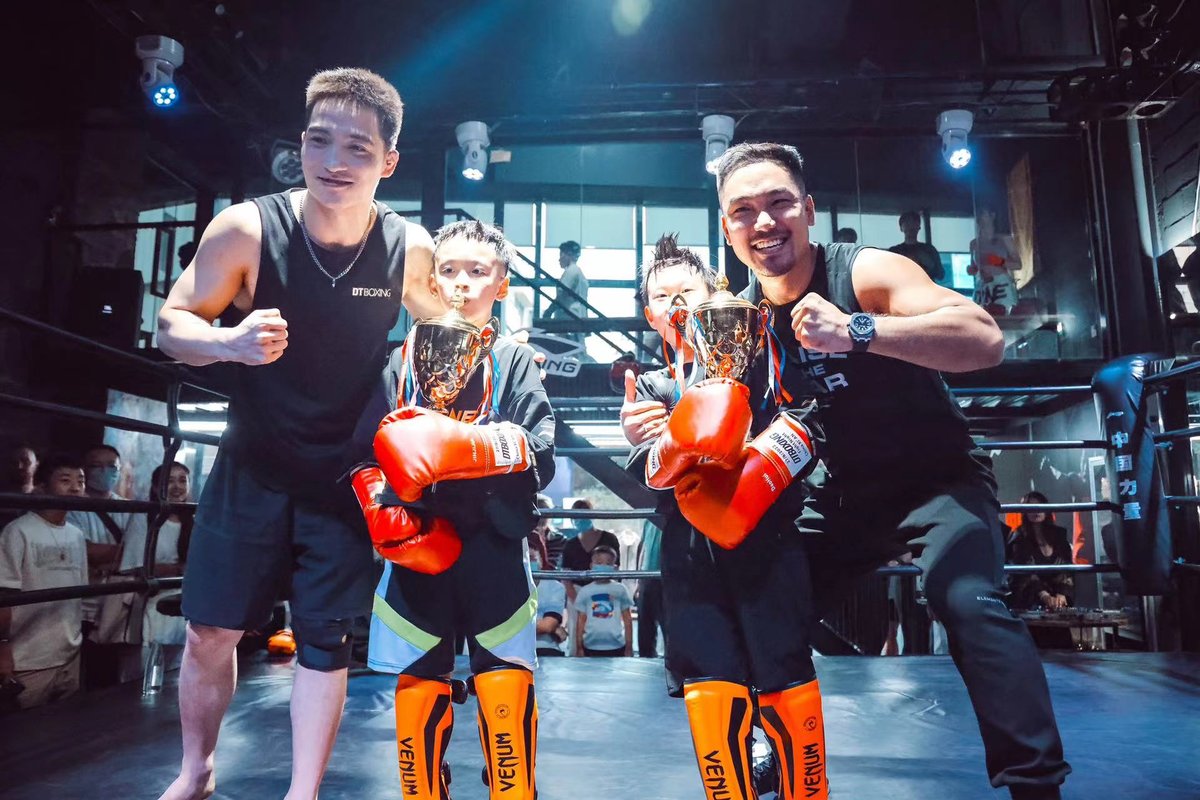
(851, 530)
(253, 546)
(487, 596)
(739, 615)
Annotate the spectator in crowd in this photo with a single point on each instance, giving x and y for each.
(104, 530)
(924, 254)
(604, 611)
(571, 528)
(994, 259)
(18, 477)
(550, 535)
(577, 555)
(1038, 540)
(649, 597)
(20, 470)
(40, 643)
(573, 304)
(105, 619)
(846, 236)
(170, 554)
(551, 601)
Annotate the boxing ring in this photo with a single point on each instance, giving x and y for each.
(897, 727)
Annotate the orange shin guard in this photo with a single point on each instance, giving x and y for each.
(508, 719)
(796, 727)
(424, 719)
(719, 713)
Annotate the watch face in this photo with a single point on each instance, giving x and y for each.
(862, 324)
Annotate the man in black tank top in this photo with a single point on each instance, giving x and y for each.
(866, 332)
(319, 275)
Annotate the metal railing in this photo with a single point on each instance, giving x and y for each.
(177, 376)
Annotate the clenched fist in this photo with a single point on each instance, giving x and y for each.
(260, 338)
(820, 326)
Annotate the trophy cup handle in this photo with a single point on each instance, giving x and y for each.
(767, 312)
(487, 338)
(678, 318)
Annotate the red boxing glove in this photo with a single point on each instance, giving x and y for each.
(727, 504)
(399, 535)
(710, 421)
(417, 448)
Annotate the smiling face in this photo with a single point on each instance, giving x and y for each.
(662, 286)
(766, 217)
(343, 154)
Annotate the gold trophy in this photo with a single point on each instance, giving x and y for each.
(728, 332)
(445, 351)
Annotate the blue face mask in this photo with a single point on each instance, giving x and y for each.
(603, 568)
(102, 479)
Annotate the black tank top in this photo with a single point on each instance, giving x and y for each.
(881, 417)
(291, 421)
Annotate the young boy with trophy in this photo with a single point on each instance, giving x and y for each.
(738, 608)
(459, 462)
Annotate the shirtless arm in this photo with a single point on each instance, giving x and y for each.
(419, 299)
(917, 321)
(223, 272)
(921, 322)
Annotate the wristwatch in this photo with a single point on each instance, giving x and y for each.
(862, 331)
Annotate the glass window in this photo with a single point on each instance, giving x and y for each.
(951, 234)
(484, 212)
(519, 224)
(690, 223)
(604, 226)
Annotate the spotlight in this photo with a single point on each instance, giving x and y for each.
(285, 163)
(953, 126)
(717, 130)
(160, 56)
(473, 139)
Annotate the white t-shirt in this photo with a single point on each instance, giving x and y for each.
(94, 529)
(37, 555)
(603, 604)
(156, 627)
(96, 532)
(166, 549)
(551, 599)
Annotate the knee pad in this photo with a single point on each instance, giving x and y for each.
(323, 645)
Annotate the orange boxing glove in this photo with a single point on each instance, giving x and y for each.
(726, 504)
(417, 448)
(399, 535)
(710, 421)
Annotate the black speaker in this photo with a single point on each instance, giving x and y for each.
(106, 305)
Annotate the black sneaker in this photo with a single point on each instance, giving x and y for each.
(764, 771)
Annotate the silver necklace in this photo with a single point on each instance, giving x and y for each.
(333, 279)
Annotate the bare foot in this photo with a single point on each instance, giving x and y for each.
(187, 787)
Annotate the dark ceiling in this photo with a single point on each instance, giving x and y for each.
(588, 70)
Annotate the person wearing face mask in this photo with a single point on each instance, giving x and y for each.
(604, 612)
(105, 532)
